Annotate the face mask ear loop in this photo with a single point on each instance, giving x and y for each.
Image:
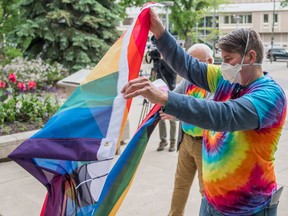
(245, 48)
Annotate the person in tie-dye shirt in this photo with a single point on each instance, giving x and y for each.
(189, 140)
(243, 124)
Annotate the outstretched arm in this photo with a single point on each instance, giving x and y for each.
(177, 58)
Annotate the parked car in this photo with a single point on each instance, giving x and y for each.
(277, 53)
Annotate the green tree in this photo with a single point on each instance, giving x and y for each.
(72, 32)
(185, 16)
(284, 3)
(9, 17)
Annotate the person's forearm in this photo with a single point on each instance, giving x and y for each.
(156, 25)
(218, 116)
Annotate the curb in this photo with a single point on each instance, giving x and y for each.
(9, 142)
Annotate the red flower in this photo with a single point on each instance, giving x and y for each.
(12, 78)
(21, 86)
(2, 84)
(31, 84)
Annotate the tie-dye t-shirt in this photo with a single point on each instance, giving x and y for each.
(238, 167)
(199, 93)
(238, 164)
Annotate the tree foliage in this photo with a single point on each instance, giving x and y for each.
(186, 15)
(71, 32)
(284, 3)
(9, 16)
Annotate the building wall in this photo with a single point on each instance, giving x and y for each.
(257, 9)
(254, 8)
(251, 1)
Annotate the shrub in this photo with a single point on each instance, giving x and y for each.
(12, 52)
(46, 75)
(7, 53)
(21, 102)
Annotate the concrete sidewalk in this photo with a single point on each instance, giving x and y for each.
(151, 190)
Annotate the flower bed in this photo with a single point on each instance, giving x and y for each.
(26, 104)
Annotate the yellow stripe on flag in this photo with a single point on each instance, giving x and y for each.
(108, 64)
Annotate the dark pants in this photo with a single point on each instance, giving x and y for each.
(207, 210)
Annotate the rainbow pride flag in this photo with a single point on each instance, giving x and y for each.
(72, 155)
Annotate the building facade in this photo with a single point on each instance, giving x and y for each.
(258, 15)
(255, 14)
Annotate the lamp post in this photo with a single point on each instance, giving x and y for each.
(272, 35)
(214, 27)
(167, 4)
(204, 32)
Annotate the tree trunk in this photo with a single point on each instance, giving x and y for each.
(188, 42)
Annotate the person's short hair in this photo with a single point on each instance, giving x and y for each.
(235, 42)
(204, 47)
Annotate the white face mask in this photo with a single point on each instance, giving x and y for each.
(232, 72)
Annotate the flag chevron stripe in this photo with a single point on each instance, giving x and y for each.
(107, 65)
(83, 103)
(101, 92)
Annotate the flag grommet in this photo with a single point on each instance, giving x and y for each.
(107, 143)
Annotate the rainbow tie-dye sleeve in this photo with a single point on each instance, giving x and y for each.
(214, 75)
(269, 102)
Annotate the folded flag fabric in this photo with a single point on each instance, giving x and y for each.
(72, 155)
(121, 176)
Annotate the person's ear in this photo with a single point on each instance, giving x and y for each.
(252, 55)
(210, 61)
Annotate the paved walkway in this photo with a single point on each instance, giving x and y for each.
(150, 193)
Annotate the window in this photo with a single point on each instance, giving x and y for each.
(249, 19)
(233, 20)
(240, 18)
(265, 18)
(276, 18)
(236, 19)
(226, 19)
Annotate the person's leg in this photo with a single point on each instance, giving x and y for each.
(270, 210)
(172, 135)
(197, 153)
(185, 173)
(162, 130)
(204, 210)
(163, 135)
(207, 210)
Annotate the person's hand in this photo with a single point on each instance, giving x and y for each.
(143, 86)
(156, 25)
(165, 116)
